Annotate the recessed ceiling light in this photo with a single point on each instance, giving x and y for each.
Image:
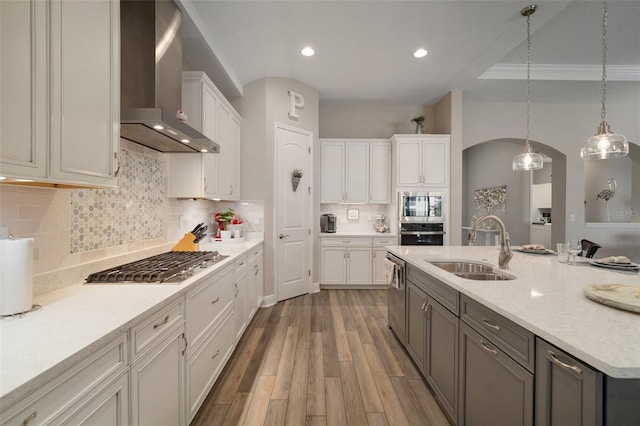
(158, 127)
(172, 132)
(203, 150)
(420, 53)
(185, 141)
(307, 51)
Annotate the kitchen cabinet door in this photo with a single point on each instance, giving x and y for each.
(409, 163)
(228, 125)
(23, 89)
(241, 295)
(536, 234)
(435, 163)
(200, 102)
(493, 389)
(192, 175)
(85, 94)
(378, 267)
(416, 323)
(568, 392)
(256, 278)
(356, 186)
(380, 173)
(333, 265)
(158, 383)
(441, 355)
(332, 170)
(359, 265)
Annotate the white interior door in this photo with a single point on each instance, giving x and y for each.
(293, 246)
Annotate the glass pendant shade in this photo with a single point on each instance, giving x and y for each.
(527, 161)
(604, 145)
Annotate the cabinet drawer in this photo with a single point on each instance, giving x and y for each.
(144, 335)
(241, 264)
(77, 385)
(345, 241)
(204, 367)
(254, 254)
(447, 296)
(507, 335)
(206, 302)
(387, 241)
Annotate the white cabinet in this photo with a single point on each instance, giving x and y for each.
(157, 370)
(379, 253)
(94, 391)
(540, 234)
(241, 295)
(422, 160)
(541, 196)
(192, 175)
(380, 173)
(210, 113)
(346, 261)
(345, 172)
(211, 334)
(228, 124)
(60, 94)
(256, 278)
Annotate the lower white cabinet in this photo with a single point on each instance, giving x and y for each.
(206, 363)
(158, 383)
(353, 261)
(256, 279)
(94, 391)
(241, 295)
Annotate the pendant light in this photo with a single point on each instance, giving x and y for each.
(528, 160)
(604, 144)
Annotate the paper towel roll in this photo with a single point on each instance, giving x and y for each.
(16, 275)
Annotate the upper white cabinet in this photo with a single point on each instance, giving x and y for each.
(192, 175)
(422, 160)
(60, 91)
(210, 113)
(355, 171)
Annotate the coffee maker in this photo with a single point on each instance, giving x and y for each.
(328, 223)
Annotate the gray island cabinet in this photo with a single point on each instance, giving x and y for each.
(486, 369)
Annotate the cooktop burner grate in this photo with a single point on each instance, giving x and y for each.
(173, 266)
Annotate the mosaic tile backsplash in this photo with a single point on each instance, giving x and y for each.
(132, 212)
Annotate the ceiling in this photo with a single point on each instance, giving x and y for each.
(364, 49)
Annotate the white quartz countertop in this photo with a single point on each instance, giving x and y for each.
(79, 319)
(547, 299)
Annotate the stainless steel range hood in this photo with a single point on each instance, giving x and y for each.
(151, 79)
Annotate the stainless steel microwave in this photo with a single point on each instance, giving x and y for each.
(420, 207)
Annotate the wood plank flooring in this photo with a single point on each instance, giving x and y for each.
(326, 358)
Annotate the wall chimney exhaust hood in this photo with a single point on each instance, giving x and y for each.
(151, 79)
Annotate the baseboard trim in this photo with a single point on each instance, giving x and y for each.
(269, 300)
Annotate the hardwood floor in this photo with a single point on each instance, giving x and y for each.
(326, 358)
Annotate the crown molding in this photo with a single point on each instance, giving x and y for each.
(562, 72)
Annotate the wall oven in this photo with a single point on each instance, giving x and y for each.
(421, 234)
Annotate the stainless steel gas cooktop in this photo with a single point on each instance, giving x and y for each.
(170, 267)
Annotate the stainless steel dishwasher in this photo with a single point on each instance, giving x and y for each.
(396, 295)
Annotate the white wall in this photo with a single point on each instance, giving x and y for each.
(264, 103)
(563, 127)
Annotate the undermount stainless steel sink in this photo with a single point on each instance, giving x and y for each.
(471, 270)
(483, 276)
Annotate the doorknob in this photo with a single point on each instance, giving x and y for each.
(281, 236)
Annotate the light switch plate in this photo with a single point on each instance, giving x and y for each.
(352, 214)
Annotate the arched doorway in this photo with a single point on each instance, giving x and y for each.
(488, 164)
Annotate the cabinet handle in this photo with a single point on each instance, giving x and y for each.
(115, 156)
(488, 324)
(205, 184)
(217, 300)
(216, 354)
(186, 344)
(346, 241)
(237, 290)
(574, 369)
(488, 348)
(257, 270)
(427, 309)
(31, 416)
(424, 306)
(230, 189)
(163, 322)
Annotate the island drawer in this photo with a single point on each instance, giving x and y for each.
(514, 340)
(447, 296)
(386, 241)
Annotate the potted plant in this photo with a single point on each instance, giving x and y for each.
(296, 175)
(419, 120)
(223, 218)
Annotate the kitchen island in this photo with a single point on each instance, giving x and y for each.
(482, 345)
(78, 321)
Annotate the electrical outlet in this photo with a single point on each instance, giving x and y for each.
(572, 217)
(4, 232)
